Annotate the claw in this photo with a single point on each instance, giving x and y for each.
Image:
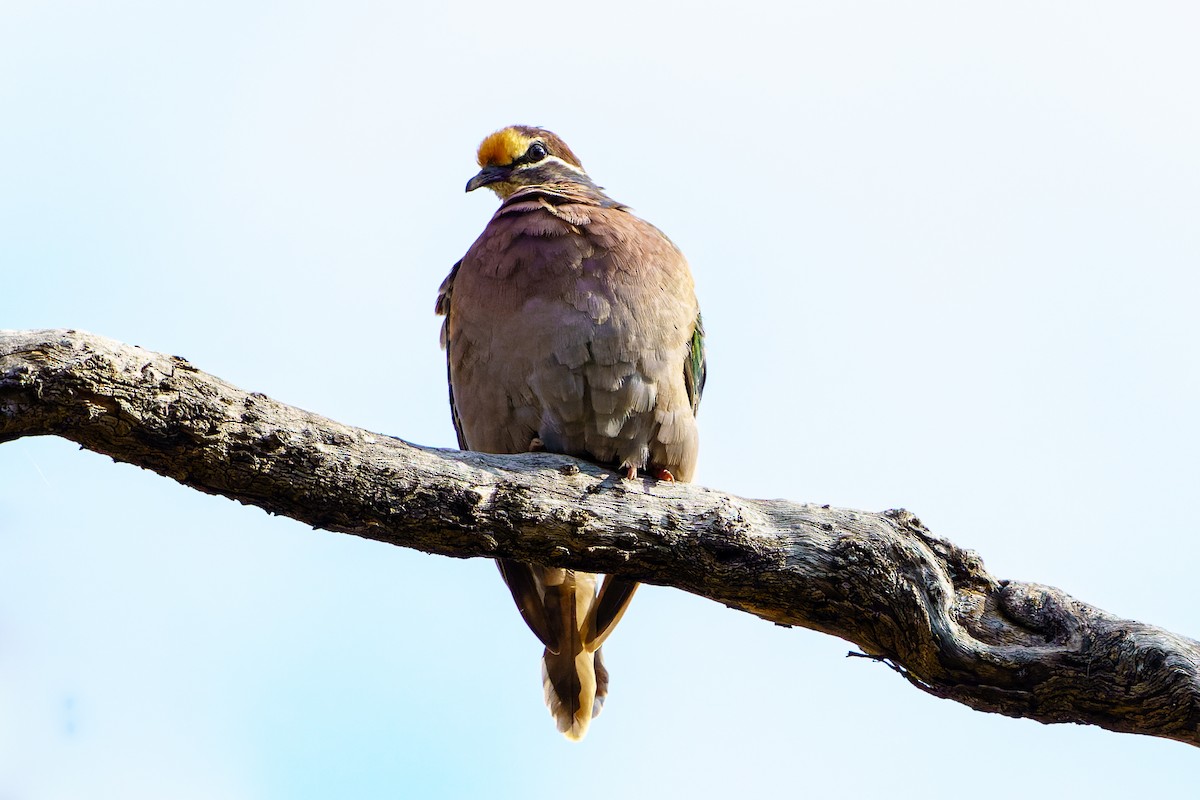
(658, 473)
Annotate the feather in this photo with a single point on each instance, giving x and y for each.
(569, 676)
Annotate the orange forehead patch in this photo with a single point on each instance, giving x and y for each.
(503, 147)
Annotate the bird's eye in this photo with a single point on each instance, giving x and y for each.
(536, 152)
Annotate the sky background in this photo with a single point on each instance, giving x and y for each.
(947, 255)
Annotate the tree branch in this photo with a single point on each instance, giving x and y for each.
(882, 581)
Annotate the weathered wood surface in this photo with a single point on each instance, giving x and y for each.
(880, 580)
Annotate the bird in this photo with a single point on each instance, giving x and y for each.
(571, 326)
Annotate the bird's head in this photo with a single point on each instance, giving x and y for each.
(520, 156)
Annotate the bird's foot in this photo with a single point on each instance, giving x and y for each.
(657, 473)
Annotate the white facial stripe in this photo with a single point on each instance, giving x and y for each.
(555, 160)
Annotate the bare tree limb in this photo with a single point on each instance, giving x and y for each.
(883, 581)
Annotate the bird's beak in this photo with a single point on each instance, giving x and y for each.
(487, 175)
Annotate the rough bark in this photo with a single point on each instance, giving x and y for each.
(881, 580)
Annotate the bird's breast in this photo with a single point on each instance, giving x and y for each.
(574, 333)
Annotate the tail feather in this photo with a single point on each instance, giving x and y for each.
(575, 690)
(566, 606)
(610, 606)
(601, 684)
(572, 681)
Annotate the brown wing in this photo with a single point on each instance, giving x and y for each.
(442, 308)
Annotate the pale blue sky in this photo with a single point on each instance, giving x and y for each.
(947, 255)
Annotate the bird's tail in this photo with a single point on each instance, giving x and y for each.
(569, 674)
(572, 619)
(576, 686)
